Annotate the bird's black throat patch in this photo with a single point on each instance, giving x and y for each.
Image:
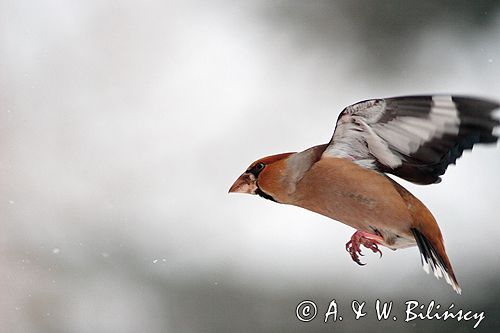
(264, 195)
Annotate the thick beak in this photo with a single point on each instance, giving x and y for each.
(244, 184)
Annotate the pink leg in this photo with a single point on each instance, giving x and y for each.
(367, 240)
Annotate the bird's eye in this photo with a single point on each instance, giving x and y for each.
(256, 169)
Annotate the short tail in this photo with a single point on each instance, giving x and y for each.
(434, 256)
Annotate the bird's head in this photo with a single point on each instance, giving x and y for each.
(262, 177)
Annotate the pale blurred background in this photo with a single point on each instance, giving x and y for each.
(123, 124)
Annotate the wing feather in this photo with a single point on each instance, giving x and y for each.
(414, 137)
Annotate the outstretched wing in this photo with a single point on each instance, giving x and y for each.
(413, 137)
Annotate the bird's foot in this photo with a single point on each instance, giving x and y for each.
(366, 239)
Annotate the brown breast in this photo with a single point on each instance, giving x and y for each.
(358, 197)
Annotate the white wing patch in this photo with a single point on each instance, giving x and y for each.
(353, 133)
(379, 147)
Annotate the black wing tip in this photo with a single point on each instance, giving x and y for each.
(477, 126)
(431, 259)
(475, 104)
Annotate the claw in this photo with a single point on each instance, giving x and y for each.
(353, 247)
(375, 249)
(372, 246)
(361, 238)
(360, 263)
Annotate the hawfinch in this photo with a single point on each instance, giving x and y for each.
(412, 137)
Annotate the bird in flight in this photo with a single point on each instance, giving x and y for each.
(412, 137)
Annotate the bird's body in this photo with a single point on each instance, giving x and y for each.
(412, 137)
(352, 195)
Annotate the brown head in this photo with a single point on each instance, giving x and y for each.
(263, 177)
